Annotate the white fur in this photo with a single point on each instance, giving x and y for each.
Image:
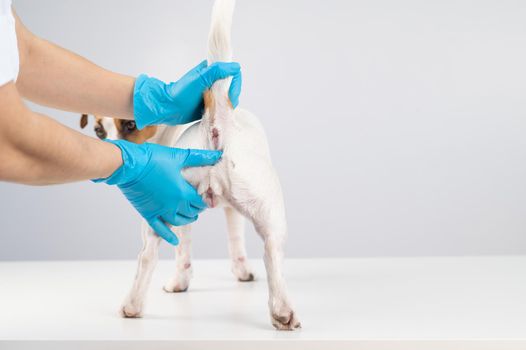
(243, 182)
(109, 126)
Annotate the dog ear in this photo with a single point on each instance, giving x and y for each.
(83, 121)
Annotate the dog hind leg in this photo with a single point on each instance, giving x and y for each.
(268, 216)
(282, 315)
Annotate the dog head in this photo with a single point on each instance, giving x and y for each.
(123, 129)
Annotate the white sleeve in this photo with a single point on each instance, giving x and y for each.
(8, 45)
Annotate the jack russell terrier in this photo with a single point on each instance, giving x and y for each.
(243, 182)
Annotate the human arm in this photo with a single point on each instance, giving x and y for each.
(55, 77)
(37, 150)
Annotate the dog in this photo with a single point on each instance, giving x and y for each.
(243, 182)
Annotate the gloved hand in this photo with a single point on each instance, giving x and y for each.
(150, 178)
(181, 102)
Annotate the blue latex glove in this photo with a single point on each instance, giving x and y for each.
(181, 102)
(150, 178)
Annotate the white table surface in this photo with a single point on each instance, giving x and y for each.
(363, 303)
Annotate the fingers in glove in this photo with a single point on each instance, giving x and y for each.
(163, 231)
(193, 198)
(219, 70)
(235, 89)
(201, 157)
(188, 210)
(179, 220)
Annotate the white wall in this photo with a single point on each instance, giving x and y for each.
(397, 127)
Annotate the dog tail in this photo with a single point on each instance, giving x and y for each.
(218, 107)
(219, 43)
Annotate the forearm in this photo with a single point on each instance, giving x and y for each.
(52, 76)
(37, 150)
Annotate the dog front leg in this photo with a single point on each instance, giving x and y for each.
(236, 245)
(183, 262)
(133, 304)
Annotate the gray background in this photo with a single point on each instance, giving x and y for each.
(397, 127)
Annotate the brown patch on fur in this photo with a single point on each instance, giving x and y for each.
(141, 136)
(208, 99)
(209, 103)
(128, 131)
(83, 121)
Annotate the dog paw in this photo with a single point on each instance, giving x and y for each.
(176, 285)
(180, 282)
(249, 277)
(129, 310)
(285, 319)
(242, 270)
